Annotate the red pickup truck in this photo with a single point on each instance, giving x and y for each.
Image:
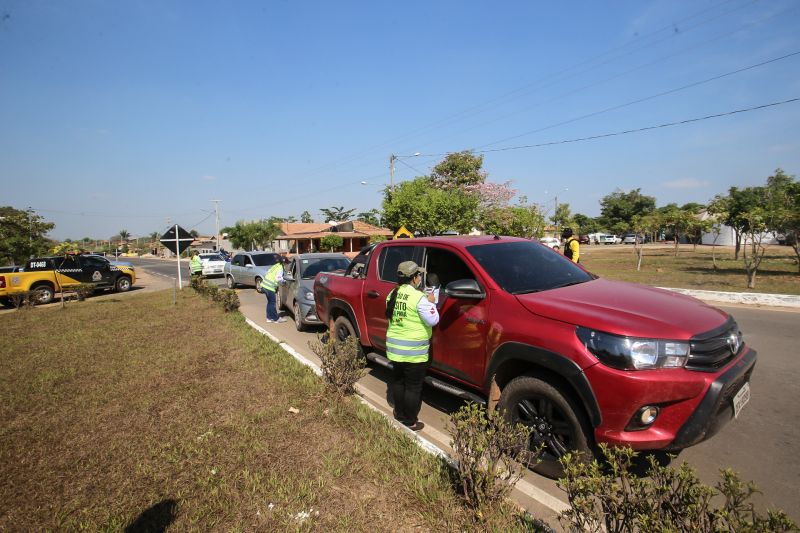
(579, 359)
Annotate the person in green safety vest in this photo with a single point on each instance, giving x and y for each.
(195, 264)
(269, 286)
(412, 315)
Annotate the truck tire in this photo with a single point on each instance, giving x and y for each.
(230, 282)
(258, 285)
(123, 284)
(6, 302)
(556, 421)
(343, 328)
(44, 293)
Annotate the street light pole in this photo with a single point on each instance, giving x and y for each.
(392, 158)
(216, 212)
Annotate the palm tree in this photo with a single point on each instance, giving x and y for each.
(124, 235)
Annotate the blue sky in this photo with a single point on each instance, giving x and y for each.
(119, 115)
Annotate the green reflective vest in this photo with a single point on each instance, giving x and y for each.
(270, 281)
(196, 265)
(408, 337)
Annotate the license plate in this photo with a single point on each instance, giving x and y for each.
(741, 399)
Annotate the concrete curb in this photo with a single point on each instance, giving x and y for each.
(746, 298)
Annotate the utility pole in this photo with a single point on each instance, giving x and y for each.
(216, 215)
(392, 159)
(30, 231)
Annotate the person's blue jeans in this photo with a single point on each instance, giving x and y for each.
(272, 310)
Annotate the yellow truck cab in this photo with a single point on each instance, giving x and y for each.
(47, 275)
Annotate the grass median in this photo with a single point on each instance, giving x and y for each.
(132, 411)
(693, 268)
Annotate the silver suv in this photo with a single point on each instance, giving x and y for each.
(297, 293)
(249, 268)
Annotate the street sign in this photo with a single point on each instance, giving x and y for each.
(403, 233)
(176, 244)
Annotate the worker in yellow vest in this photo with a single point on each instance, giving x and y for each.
(195, 264)
(269, 286)
(412, 315)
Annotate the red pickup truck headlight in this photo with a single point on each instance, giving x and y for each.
(632, 353)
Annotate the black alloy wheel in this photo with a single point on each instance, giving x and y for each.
(558, 425)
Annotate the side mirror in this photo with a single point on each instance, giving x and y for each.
(465, 288)
(249, 265)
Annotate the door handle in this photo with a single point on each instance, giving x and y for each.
(373, 294)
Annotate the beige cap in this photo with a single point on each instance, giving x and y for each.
(409, 268)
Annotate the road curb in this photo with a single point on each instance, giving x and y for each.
(746, 298)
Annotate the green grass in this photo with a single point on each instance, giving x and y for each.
(135, 411)
(694, 269)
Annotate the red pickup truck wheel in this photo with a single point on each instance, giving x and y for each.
(555, 424)
(342, 329)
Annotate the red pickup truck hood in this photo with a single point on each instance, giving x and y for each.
(626, 309)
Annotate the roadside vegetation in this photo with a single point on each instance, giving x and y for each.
(111, 418)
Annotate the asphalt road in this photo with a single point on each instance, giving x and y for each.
(762, 444)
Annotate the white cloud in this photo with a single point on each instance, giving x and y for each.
(686, 183)
(209, 178)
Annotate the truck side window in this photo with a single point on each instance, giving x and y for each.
(392, 256)
(447, 265)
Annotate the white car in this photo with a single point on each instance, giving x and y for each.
(551, 242)
(610, 239)
(213, 264)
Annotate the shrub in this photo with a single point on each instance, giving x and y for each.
(613, 498)
(23, 299)
(342, 363)
(488, 451)
(227, 297)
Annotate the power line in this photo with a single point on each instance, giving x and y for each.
(637, 130)
(646, 98)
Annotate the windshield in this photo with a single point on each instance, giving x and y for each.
(311, 267)
(263, 260)
(522, 267)
(211, 257)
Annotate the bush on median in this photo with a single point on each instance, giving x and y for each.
(226, 297)
(342, 363)
(611, 497)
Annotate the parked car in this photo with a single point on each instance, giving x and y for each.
(610, 239)
(596, 238)
(297, 294)
(583, 239)
(551, 242)
(213, 264)
(632, 238)
(249, 268)
(578, 359)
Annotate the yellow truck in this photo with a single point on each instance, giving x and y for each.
(45, 276)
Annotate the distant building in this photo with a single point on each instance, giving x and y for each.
(304, 237)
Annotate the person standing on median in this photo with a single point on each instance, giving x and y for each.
(572, 248)
(412, 315)
(196, 265)
(269, 286)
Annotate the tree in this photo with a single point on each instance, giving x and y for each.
(562, 218)
(676, 221)
(22, 235)
(370, 217)
(254, 235)
(585, 224)
(424, 208)
(64, 248)
(784, 193)
(305, 217)
(618, 209)
(643, 225)
(124, 235)
(194, 233)
(458, 170)
(732, 210)
(521, 220)
(337, 214)
(331, 242)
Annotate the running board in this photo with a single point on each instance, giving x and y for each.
(432, 381)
